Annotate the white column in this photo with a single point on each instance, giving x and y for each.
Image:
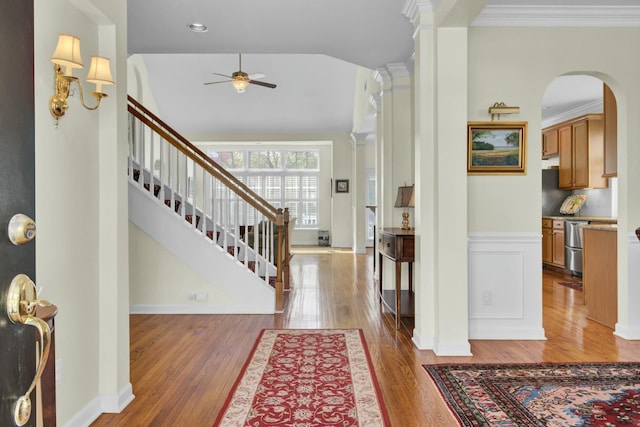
(396, 153)
(115, 388)
(358, 200)
(440, 112)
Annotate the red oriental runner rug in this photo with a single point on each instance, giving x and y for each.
(541, 395)
(306, 378)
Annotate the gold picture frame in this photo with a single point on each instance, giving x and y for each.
(497, 148)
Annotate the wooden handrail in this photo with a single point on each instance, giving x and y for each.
(278, 216)
(204, 161)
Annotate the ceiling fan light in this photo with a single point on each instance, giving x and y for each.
(240, 85)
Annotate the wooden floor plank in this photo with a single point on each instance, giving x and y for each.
(183, 366)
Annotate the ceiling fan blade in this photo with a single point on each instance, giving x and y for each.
(257, 76)
(223, 75)
(213, 83)
(265, 84)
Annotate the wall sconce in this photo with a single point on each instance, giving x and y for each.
(502, 108)
(67, 55)
(405, 199)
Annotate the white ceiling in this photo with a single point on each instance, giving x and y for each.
(309, 48)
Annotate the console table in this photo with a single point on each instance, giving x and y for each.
(398, 245)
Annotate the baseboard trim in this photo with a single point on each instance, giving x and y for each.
(88, 414)
(102, 404)
(627, 333)
(114, 404)
(453, 349)
(423, 342)
(193, 309)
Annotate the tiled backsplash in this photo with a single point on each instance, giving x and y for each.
(601, 202)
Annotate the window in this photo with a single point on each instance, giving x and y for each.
(284, 178)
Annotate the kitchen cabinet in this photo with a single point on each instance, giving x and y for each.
(581, 153)
(600, 274)
(610, 109)
(553, 242)
(550, 143)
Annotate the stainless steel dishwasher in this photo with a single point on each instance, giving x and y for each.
(573, 245)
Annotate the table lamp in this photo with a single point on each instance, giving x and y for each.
(405, 199)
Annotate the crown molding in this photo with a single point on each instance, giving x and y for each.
(374, 100)
(359, 138)
(413, 8)
(398, 69)
(588, 108)
(558, 16)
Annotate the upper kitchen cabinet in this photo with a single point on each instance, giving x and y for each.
(581, 153)
(550, 142)
(610, 109)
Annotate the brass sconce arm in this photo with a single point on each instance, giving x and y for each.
(62, 87)
(67, 55)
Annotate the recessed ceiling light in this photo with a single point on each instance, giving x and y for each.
(197, 28)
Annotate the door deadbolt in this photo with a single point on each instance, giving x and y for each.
(21, 229)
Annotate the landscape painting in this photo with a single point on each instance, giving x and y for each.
(496, 148)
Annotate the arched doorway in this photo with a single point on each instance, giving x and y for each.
(579, 151)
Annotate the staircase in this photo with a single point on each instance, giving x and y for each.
(193, 206)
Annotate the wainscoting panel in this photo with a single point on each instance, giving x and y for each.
(505, 286)
(629, 328)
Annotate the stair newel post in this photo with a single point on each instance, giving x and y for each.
(286, 256)
(279, 285)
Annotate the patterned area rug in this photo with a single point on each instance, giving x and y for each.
(306, 378)
(541, 395)
(573, 285)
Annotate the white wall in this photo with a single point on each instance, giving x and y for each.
(515, 65)
(138, 83)
(81, 248)
(168, 261)
(341, 230)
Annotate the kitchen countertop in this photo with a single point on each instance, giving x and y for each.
(601, 227)
(598, 219)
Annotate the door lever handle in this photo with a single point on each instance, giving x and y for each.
(21, 307)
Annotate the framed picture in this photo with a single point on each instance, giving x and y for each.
(496, 148)
(342, 185)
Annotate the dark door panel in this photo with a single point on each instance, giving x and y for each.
(17, 195)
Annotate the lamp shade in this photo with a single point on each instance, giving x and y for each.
(67, 53)
(100, 72)
(405, 197)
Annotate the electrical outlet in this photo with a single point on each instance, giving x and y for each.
(191, 296)
(202, 296)
(487, 298)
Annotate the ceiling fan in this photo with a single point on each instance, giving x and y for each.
(240, 80)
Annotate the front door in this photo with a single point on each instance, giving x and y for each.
(17, 195)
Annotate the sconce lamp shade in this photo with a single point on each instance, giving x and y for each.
(67, 53)
(100, 72)
(240, 85)
(405, 197)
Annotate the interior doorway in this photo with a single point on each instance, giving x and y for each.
(567, 100)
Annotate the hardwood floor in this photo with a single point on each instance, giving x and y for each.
(183, 366)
